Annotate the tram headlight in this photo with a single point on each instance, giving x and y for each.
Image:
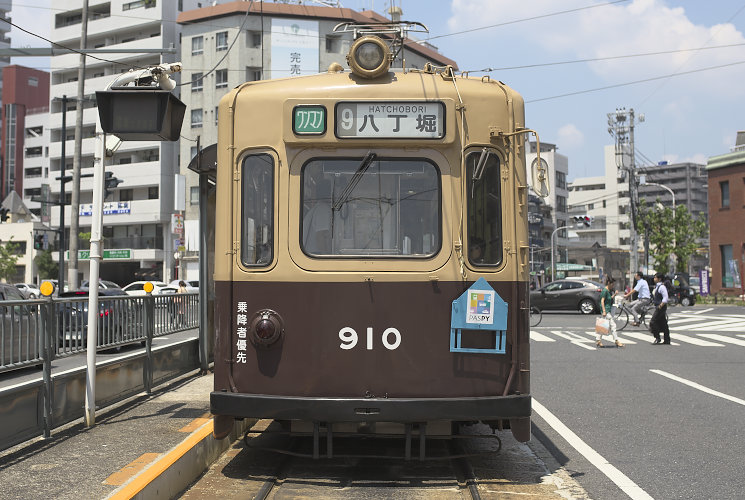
(369, 57)
(266, 327)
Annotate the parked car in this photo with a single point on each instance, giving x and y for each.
(101, 284)
(29, 291)
(568, 295)
(19, 339)
(117, 318)
(138, 287)
(191, 285)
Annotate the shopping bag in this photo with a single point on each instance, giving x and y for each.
(602, 326)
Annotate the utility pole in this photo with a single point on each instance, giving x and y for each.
(75, 200)
(621, 127)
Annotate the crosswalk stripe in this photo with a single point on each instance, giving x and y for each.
(723, 338)
(622, 339)
(715, 325)
(647, 337)
(574, 339)
(677, 320)
(539, 337)
(696, 341)
(741, 334)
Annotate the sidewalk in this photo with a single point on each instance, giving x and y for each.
(77, 462)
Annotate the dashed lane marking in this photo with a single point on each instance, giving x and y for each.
(619, 478)
(700, 387)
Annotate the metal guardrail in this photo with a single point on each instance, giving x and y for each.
(34, 332)
(27, 326)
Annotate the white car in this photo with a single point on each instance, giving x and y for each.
(138, 287)
(28, 291)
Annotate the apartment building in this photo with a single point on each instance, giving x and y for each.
(137, 217)
(228, 44)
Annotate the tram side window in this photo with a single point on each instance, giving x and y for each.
(484, 205)
(376, 208)
(257, 232)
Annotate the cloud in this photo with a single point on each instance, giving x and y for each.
(636, 27)
(570, 137)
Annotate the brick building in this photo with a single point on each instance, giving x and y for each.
(727, 219)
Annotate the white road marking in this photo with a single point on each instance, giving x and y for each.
(619, 478)
(698, 386)
(697, 341)
(741, 334)
(721, 324)
(645, 337)
(699, 312)
(574, 340)
(539, 337)
(677, 320)
(623, 340)
(723, 338)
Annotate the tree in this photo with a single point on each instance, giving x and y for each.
(8, 258)
(658, 223)
(45, 264)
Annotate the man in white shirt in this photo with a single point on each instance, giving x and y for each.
(643, 297)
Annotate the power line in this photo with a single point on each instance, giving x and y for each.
(68, 48)
(595, 59)
(586, 91)
(542, 16)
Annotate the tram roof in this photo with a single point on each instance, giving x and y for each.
(316, 12)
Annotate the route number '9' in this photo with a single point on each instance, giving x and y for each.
(391, 338)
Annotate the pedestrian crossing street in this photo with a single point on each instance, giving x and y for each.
(685, 328)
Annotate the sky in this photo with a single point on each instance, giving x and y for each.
(692, 96)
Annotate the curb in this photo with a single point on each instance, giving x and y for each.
(176, 469)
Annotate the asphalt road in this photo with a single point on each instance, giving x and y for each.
(645, 420)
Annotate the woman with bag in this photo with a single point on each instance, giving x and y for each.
(606, 302)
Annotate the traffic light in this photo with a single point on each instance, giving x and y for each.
(110, 182)
(582, 220)
(39, 241)
(4, 214)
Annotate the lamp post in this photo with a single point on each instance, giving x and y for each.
(553, 266)
(644, 182)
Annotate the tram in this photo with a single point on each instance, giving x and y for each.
(371, 251)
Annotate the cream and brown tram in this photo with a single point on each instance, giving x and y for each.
(371, 252)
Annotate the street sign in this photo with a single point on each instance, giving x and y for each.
(114, 253)
(177, 224)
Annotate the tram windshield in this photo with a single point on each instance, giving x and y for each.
(370, 207)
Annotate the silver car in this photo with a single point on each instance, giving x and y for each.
(28, 291)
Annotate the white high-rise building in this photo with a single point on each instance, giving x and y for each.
(137, 237)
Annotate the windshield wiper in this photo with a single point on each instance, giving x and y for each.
(356, 178)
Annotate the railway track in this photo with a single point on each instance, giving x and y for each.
(472, 467)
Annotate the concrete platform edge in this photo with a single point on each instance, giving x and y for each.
(176, 469)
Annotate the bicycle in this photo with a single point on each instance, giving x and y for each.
(622, 312)
(535, 316)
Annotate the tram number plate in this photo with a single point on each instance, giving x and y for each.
(390, 120)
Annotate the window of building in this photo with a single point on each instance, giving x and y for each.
(484, 211)
(197, 82)
(194, 195)
(333, 44)
(221, 78)
(729, 266)
(34, 152)
(724, 189)
(604, 203)
(126, 195)
(221, 41)
(196, 118)
(192, 152)
(253, 39)
(33, 81)
(257, 233)
(561, 180)
(216, 113)
(590, 206)
(152, 193)
(253, 74)
(197, 45)
(137, 4)
(561, 204)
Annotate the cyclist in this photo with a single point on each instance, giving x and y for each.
(643, 298)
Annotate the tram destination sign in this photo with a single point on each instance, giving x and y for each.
(390, 120)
